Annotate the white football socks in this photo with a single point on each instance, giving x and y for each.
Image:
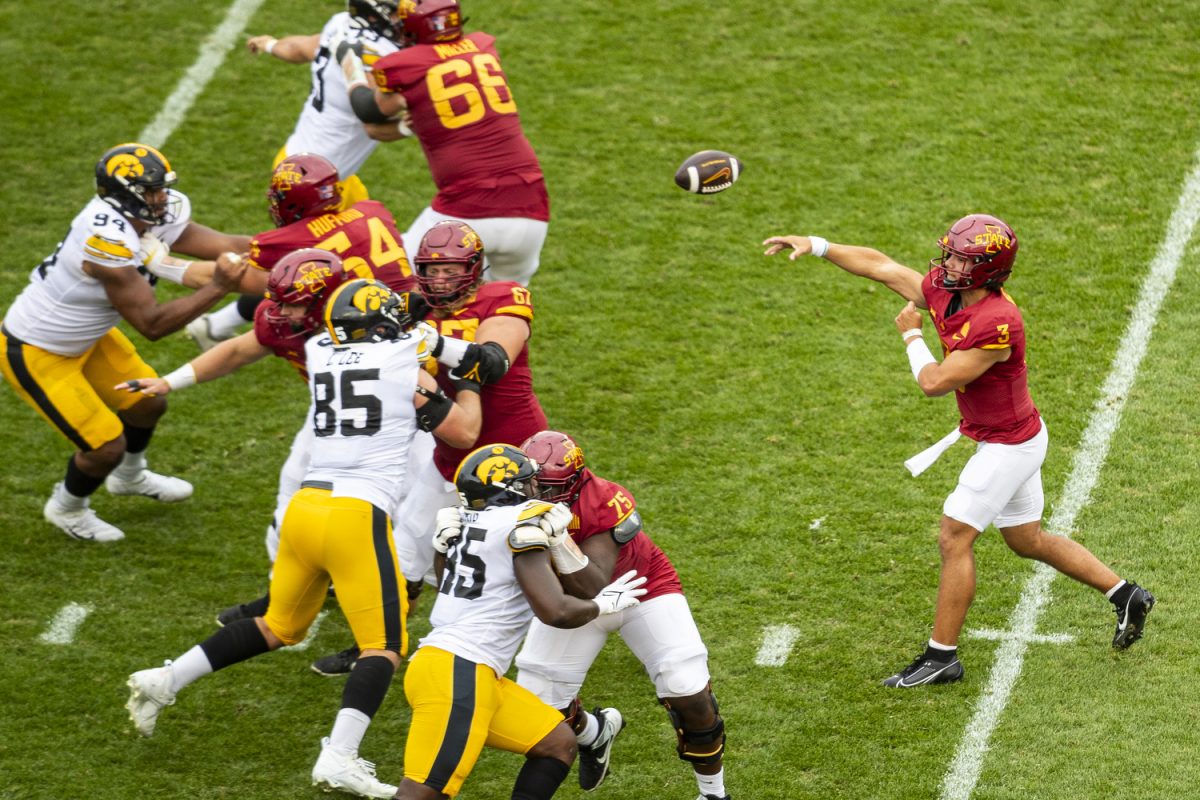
(712, 784)
(131, 466)
(348, 731)
(189, 667)
(223, 322)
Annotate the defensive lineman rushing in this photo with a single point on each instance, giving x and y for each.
(327, 126)
(95, 278)
(495, 575)
(369, 398)
(603, 521)
(983, 336)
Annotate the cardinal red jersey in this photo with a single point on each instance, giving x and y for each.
(996, 406)
(465, 117)
(600, 507)
(364, 235)
(280, 338)
(511, 411)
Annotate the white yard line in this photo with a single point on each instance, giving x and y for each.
(963, 773)
(66, 622)
(1037, 638)
(776, 646)
(212, 55)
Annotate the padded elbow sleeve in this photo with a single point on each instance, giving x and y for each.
(362, 100)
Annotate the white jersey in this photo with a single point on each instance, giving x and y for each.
(63, 309)
(362, 415)
(481, 612)
(327, 124)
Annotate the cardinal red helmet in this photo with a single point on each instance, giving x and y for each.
(449, 242)
(432, 21)
(562, 471)
(989, 246)
(307, 278)
(303, 185)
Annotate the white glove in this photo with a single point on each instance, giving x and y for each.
(448, 527)
(429, 333)
(153, 251)
(621, 594)
(555, 521)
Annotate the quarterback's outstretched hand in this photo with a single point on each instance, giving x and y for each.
(621, 594)
(800, 245)
(151, 387)
(448, 528)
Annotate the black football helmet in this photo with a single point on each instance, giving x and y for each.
(125, 173)
(365, 310)
(496, 475)
(377, 15)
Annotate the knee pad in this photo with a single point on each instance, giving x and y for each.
(705, 746)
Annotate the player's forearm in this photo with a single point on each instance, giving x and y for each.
(295, 49)
(227, 357)
(159, 320)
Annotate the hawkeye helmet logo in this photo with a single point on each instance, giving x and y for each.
(498, 469)
(994, 239)
(369, 298)
(125, 166)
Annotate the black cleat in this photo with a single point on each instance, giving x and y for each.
(924, 672)
(594, 759)
(336, 664)
(255, 608)
(1131, 617)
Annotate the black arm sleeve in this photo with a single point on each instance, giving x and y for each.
(435, 411)
(362, 100)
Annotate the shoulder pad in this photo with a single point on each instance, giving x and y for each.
(524, 538)
(531, 509)
(628, 528)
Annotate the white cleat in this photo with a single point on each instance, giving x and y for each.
(162, 488)
(150, 692)
(200, 331)
(82, 524)
(335, 770)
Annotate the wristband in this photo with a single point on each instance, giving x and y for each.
(819, 246)
(181, 378)
(452, 351)
(910, 332)
(269, 49)
(403, 129)
(169, 269)
(919, 357)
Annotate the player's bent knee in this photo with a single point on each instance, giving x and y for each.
(558, 744)
(696, 744)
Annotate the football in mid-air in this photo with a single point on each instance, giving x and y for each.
(708, 172)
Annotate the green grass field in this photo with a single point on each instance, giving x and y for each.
(740, 399)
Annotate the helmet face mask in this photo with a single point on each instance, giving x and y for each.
(496, 475)
(134, 179)
(432, 21)
(365, 310)
(978, 252)
(449, 243)
(304, 185)
(305, 278)
(379, 16)
(561, 466)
